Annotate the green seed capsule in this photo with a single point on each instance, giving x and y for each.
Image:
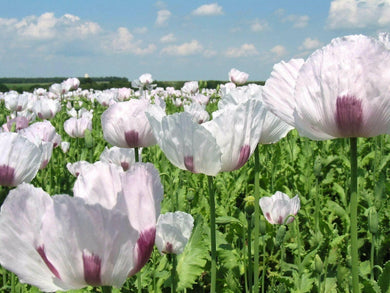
(373, 220)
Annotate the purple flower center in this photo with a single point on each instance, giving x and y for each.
(168, 248)
(92, 267)
(131, 138)
(41, 252)
(7, 175)
(244, 156)
(349, 116)
(189, 163)
(125, 166)
(143, 249)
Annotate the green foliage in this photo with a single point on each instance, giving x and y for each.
(191, 263)
(317, 171)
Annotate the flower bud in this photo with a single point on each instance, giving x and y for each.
(373, 220)
(88, 138)
(249, 205)
(318, 264)
(317, 166)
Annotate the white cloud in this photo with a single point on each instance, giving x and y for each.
(244, 51)
(169, 38)
(259, 25)
(298, 21)
(209, 53)
(123, 42)
(279, 51)
(310, 44)
(358, 13)
(163, 17)
(48, 27)
(141, 30)
(185, 49)
(208, 9)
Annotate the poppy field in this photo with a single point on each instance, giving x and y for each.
(265, 208)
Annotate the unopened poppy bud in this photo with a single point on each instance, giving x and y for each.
(263, 226)
(373, 220)
(279, 238)
(249, 205)
(318, 264)
(190, 195)
(317, 166)
(88, 138)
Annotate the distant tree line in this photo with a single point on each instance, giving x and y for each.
(21, 84)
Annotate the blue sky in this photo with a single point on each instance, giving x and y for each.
(173, 40)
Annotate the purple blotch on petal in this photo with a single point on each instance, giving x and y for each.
(168, 248)
(349, 116)
(189, 163)
(245, 151)
(268, 216)
(280, 220)
(143, 249)
(92, 268)
(131, 138)
(7, 175)
(41, 252)
(125, 166)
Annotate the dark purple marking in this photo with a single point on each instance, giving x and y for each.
(7, 175)
(92, 268)
(244, 156)
(125, 166)
(44, 164)
(168, 248)
(143, 249)
(268, 216)
(280, 220)
(41, 252)
(349, 116)
(189, 163)
(131, 138)
(40, 115)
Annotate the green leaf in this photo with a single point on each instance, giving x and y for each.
(384, 278)
(191, 263)
(228, 220)
(370, 286)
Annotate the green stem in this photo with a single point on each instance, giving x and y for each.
(136, 155)
(257, 222)
(353, 216)
(13, 283)
(372, 256)
(106, 289)
(139, 283)
(212, 235)
(299, 246)
(172, 258)
(249, 239)
(264, 267)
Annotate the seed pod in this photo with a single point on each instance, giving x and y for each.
(373, 220)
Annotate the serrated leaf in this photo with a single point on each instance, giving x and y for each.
(191, 263)
(384, 278)
(228, 220)
(370, 286)
(365, 268)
